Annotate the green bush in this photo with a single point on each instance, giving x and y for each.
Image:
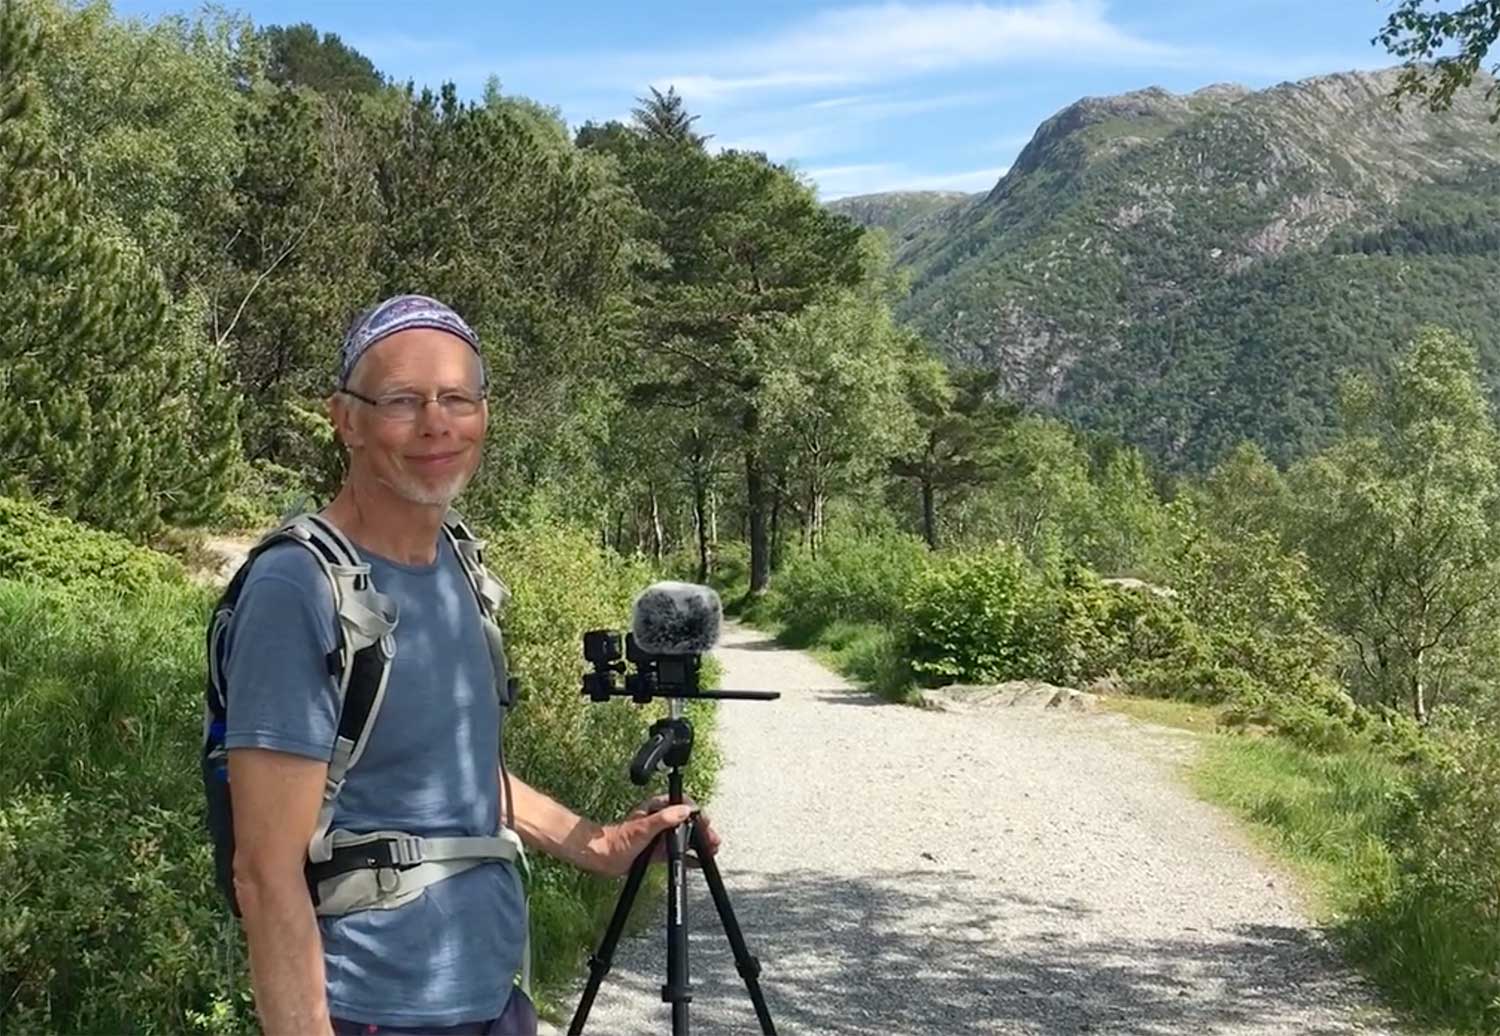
(1093, 629)
(111, 921)
(263, 492)
(977, 618)
(1434, 934)
(38, 546)
(852, 578)
(873, 655)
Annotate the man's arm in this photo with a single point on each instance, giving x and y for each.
(547, 825)
(276, 800)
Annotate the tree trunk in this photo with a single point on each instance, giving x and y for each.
(776, 529)
(755, 499)
(713, 529)
(815, 521)
(929, 512)
(1418, 690)
(658, 540)
(700, 528)
(755, 504)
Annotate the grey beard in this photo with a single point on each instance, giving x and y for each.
(430, 496)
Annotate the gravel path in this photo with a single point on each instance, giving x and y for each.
(903, 871)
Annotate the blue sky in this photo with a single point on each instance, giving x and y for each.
(857, 97)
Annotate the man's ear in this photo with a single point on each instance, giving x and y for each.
(341, 416)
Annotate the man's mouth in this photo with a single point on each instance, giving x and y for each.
(436, 460)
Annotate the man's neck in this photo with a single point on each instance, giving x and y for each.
(386, 523)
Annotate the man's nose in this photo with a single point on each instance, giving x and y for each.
(433, 418)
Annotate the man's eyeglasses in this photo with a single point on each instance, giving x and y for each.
(404, 407)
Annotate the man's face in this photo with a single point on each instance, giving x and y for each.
(430, 459)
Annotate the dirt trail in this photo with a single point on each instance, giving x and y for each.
(1001, 870)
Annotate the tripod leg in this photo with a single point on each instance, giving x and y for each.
(600, 962)
(748, 966)
(678, 990)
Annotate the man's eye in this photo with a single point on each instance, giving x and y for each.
(402, 402)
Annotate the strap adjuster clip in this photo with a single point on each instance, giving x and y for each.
(407, 852)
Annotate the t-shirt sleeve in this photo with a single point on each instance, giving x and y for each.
(279, 694)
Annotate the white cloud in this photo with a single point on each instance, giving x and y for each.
(817, 128)
(706, 89)
(872, 44)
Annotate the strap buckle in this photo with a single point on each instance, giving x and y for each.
(407, 851)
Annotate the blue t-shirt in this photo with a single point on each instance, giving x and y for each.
(430, 768)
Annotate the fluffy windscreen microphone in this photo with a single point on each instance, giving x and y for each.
(676, 619)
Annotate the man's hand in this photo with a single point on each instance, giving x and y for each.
(618, 845)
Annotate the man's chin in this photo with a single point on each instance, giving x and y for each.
(440, 495)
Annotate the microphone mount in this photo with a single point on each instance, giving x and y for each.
(674, 677)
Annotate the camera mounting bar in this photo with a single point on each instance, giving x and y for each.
(655, 676)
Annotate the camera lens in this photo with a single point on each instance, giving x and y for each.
(601, 647)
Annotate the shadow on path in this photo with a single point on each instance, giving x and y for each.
(922, 953)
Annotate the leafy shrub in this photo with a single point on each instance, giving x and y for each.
(856, 578)
(111, 921)
(976, 618)
(263, 493)
(1094, 629)
(873, 655)
(37, 546)
(1433, 935)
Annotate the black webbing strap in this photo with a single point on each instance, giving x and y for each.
(367, 856)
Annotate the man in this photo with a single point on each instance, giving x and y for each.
(411, 411)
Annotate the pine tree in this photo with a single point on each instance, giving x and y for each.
(662, 117)
(101, 418)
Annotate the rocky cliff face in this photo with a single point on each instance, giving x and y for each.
(1140, 236)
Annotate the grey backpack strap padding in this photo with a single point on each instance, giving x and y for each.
(493, 597)
(419, 862)
(366, 620)
(493, 594)
(382, 888)
(406, 850)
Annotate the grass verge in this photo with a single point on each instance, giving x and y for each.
(1334, 818)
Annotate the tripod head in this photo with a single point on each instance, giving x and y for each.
(671, 625)
(674, 677)
(680, 621)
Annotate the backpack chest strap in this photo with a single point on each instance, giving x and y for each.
(381, 870)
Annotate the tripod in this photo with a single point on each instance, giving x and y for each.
(671, 743)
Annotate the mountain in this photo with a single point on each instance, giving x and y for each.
(1186, 272)
(901, 214)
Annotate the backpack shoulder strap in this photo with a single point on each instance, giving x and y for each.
(493, 595)
(360, 663)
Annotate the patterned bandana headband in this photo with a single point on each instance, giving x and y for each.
(401, 313)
